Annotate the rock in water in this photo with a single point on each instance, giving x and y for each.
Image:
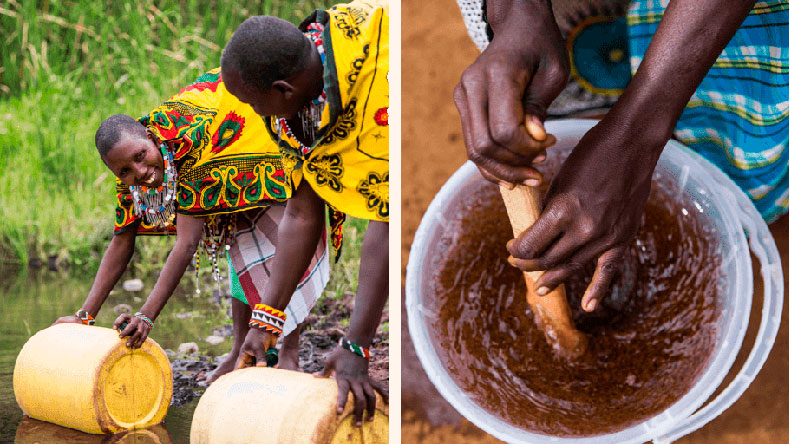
(122, 308)
(214, 340)
(188, 348)
(133, 285)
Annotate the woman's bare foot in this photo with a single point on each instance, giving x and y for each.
(240, 313)
(226, 366)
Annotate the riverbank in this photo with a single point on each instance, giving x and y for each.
(32, 300)
(323, 328)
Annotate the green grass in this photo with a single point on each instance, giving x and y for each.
(344, 273)
(67, 65)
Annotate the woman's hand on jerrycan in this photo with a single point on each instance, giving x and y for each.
(135, 329)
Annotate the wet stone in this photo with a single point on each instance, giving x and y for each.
(133, 285)
(188, 348)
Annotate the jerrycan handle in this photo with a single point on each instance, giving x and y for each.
(762, 244)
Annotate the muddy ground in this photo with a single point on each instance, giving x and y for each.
(324, 327)
(436, 50)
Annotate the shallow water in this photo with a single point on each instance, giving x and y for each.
(31, 302)
(646, 351)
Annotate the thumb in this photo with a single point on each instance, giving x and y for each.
(329, 367)
(244, 360)
(547, 83)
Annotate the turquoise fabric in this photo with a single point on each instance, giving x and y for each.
(599, 55)
(738, 117)
(235, 286)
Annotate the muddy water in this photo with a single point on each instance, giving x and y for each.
(29, 303)
(646, 351)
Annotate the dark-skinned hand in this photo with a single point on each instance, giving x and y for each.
(519, 74)
(593, 210)
(67, 320)
(136, 330)
(351, 372)
(253, 350)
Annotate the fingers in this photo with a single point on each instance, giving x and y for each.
(506, 111)
(560, 250)
(505, 151)
(370, 399)
(329, 367)
(473, 107)
(359, 402)
(558, 272)
(245, 360)
(535, 128)
(342, 395)
(379, 387)
(605, 271)
(547, 83)
(139, 336)
(124, 318)
(260, 356)
(132, 339)
(523, 175)
(538, 237)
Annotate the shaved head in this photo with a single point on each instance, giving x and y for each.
(113, 128)
(265, 49)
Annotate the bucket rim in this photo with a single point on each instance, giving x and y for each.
(654, 427)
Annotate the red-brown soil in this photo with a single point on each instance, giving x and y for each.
(436, 50)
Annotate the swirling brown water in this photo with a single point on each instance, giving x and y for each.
(644, 355)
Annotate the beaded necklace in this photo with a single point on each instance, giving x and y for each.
(310, 116)
(157, 205)
(219, 229)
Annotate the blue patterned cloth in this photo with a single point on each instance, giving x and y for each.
(738, 117)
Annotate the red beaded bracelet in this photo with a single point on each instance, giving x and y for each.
(85, 317)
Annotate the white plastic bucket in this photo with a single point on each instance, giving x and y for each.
(684, 174)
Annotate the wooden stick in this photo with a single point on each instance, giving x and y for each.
(552, 312)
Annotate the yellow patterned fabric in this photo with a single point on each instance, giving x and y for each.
(225, 163)
(348, 164)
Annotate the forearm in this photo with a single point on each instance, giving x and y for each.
(297, 237)
(190, 230)
(504, 13)
(372, 290)
(168, 280)
(689, 38)
(112, 266)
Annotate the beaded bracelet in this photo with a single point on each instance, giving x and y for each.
(354, 348)
(145, 319)
(268, 319)
(85, 317)
(271, 310)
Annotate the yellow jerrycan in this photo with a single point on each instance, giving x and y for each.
(260, 405)
(85, 378)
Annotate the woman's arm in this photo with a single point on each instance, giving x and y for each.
(351, 370)
(188, 235)
(297, 236)
(112, 266)
(595, 204)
